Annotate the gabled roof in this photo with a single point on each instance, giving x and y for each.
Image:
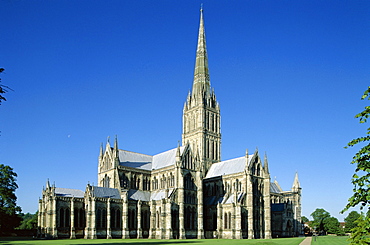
(105, 192)
(135, 160)
(275, 187)
(65, 192)
(232, 166)
(166, 158)
(147, 162)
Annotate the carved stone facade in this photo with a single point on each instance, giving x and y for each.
(186, 192)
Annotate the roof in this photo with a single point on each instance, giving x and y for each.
(275, 187)
(147, 162)
(232, 166)
(106, 192)
(166, 158)
(135, 160)
(65, 192)
(149, 196)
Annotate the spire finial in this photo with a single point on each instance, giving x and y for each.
(201, 7)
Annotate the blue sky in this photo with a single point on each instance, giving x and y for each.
(289, 76)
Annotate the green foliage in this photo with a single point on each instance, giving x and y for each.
(8, 208)
(319, 216)
(29, 221)
(3, 89)
(304, 219)
(331, 225)
(361, 177)
(361, 232)
(350, 220)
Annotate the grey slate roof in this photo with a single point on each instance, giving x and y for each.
(232, 166)
(275, 187)
(65, 192)
(149, 196)
(106, 192)
(147, 162)
(139, 195)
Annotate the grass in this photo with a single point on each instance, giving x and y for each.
(280, 241)
(330, 240)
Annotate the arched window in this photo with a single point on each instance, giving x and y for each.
(229, 225)
(115, 219)
(106, 181)
(225, 221)
(64, 217)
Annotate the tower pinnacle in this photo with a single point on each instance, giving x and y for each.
(201, 82)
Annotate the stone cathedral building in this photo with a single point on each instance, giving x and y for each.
(185, 192)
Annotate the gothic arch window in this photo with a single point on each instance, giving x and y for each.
(115, 219)
(106, 181)
(229, 220)
(189, 182)
(79, 217)
(225, 221)
(64, 217)
(98, 218)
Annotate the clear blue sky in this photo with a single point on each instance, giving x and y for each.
(289, 76)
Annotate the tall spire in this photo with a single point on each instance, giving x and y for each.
(201, 82)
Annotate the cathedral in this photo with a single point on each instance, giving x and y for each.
(185, 192)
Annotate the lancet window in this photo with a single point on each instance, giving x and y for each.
(64, 217)
(79, 217)
(101, 218)
(115, 219)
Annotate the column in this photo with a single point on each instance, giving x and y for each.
(238, 220)
(139, 229)
(200, 234)
(54, 218)
(109, 230)
(125, 230)
(93, 218)
(88, 217)
(219, 220)
(267, 207)
(168, 219)
(73, 232)
(153, 225)
(181, 207)
(250, 207)
(40, 220)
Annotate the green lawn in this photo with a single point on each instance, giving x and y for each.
(280, 241)
(330, 240)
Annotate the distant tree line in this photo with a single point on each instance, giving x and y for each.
(323, 223)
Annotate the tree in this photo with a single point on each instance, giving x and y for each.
(360, 232)
(319, 216)
(29, 221)
(304, 219)
(350, 220)
(8, 207)
(331, 225)
(361, 177)
(3, 89)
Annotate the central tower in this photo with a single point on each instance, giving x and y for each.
(201, 114)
